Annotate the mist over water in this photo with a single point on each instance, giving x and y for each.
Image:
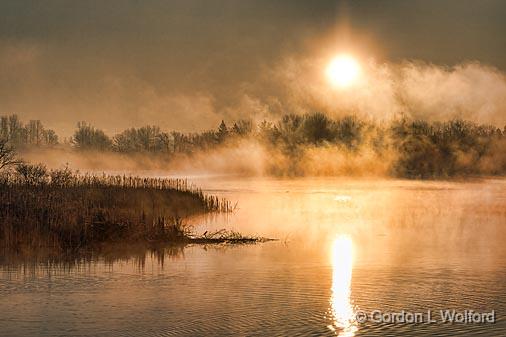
(384, 94)
(402, 245)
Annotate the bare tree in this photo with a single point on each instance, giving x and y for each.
(7, 155)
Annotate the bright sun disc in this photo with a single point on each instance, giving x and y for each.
(343, 71)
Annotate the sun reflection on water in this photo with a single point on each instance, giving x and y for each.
(344, 323)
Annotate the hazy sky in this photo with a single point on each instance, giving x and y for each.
(187, 63)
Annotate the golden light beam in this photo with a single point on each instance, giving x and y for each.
(340, 302)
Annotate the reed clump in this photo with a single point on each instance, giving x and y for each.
(65, 210)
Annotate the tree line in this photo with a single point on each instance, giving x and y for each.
(152, 139)
(421, 149)
(32, 133)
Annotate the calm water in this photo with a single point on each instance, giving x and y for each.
(346, 247)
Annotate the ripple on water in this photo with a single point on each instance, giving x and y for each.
(287, 290)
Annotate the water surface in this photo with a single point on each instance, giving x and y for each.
(345, 247)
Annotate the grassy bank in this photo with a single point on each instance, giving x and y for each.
(63, 210)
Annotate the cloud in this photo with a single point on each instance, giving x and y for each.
(110, 100)
(387, 90)
(115, 99)
(471, 91)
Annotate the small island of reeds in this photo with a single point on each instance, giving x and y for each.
(62, 210)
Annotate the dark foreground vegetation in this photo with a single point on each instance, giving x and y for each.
(407, 148)
(61, 210)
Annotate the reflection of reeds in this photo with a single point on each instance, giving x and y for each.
(48, 260)
(41, 260)
(66, 211)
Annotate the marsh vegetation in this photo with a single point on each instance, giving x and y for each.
(63, 210)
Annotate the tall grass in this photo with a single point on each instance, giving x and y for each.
(64, 210)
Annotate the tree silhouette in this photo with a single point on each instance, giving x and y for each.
(86, 137)
(7, 155)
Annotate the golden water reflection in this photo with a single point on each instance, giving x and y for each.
(343, 315)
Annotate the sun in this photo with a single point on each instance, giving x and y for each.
(343, 71)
